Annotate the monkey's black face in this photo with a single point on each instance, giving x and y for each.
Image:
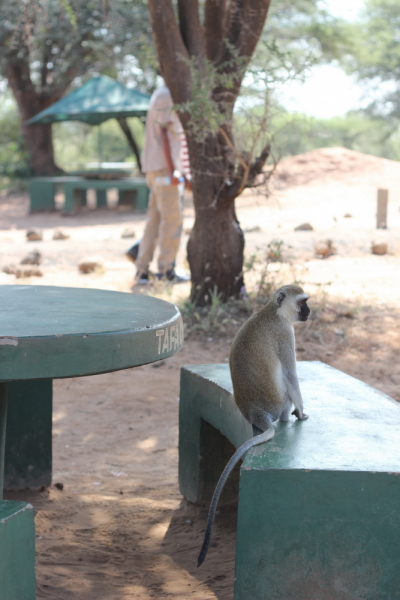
(304, 310)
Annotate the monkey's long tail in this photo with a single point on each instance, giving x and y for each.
(258, 439)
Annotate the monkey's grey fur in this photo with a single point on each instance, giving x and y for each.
(264, 376)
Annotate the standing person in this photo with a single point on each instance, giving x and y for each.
(160, 158)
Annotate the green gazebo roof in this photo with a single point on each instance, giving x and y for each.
(98, 100)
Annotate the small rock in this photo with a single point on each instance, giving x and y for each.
(10, 269)
(379, 249)
(304, 227)
(339, 332)
(34, 235)
(329, 353)
(325, 249)
(59, 486)
(348, 216)
(91, 265)
(60, 235)
(33, 258)
(189, 522)
(252, 229)
(21, 273)
(128, 233)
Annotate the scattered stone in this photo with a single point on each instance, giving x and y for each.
(60, 235)
(9, 269)
(304, 227)
(252, 229)
(91, 265)
(325, 249)
(348, 216)
(59, 486)
(33, 258)
(34, 235)
(379, 249)
(189, 522)
(128, 233)
(339, 332)
(22, 273)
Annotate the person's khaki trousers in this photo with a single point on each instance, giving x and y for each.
(163, 221)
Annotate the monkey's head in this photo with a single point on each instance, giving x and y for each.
(292, 303)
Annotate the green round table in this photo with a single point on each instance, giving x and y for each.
(48, 333)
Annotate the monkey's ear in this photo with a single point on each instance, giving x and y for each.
(280, 298)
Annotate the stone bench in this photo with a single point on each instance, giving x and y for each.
(42, 190)
(17, 551)
(319, 505)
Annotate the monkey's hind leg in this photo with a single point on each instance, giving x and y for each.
(285, 414)
(263, 420)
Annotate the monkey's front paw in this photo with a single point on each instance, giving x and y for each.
(304, 417)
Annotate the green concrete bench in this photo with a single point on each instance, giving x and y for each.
(42, 192)
(17, 551)
(319, 505)
(17, 535)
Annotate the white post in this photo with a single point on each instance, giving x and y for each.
(381, 211)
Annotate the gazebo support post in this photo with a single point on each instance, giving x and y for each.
(131, 140)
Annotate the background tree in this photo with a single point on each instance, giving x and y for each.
(218, 48)
(374, 57)
(204, 50)
(45, 45)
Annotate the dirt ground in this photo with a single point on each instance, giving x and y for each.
(120, 528)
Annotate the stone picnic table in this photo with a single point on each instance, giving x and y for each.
(48, 333)
(42, 190)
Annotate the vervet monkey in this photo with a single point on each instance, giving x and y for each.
(263, 370)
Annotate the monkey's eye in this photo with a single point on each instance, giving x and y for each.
(302, 302)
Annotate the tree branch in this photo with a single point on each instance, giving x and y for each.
(245, 22)
(246, 176)
(190, 27)
(214, 27)
(170, 49)
(258, 165)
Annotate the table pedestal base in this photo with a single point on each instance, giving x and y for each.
(28, 448)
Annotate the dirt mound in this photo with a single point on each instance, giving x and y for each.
(333, 163)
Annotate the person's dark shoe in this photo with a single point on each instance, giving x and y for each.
(173, 277)
(133, 252)
(142, 278)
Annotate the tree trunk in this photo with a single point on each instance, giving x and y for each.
(216, 243)
(215, 254)
(39, 141)
(38, 138)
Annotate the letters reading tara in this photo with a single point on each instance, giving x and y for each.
(170, 338)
